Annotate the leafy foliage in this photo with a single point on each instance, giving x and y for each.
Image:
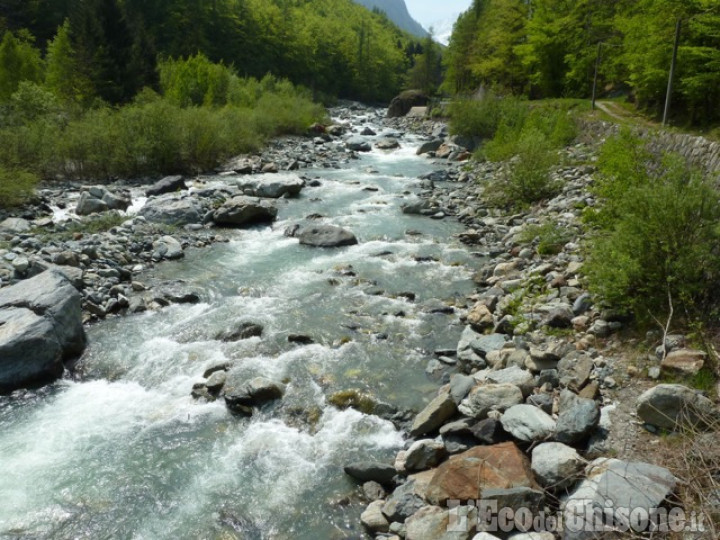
(656, 232)
(548, 48)
(16, 186)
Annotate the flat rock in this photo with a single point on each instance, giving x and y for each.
(367, 471)
(611, 484)
(424, 454)
(239, 331)
(684, 362)
(373, 519)
(465, 476)
(240, 393)
(357, 144)
(171, 211)
(15, 225)
(433, 523)
(574, 370)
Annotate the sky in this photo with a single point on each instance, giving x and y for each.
(429, 12)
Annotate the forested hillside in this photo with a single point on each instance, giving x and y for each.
(335, 47)
(548, 48)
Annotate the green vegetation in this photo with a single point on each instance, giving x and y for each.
(550, 238)
(155, 134)
(548, 48)
(527, 134)
(16, 186)
(655, 233)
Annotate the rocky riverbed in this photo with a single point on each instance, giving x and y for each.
(342, 301)
(542, 420)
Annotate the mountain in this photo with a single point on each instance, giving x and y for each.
(397, 12)
(442, 30)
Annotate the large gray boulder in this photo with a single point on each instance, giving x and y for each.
(401, 104)
(171, 211)
(673, 406)
(326, 236)
(168, 184)
(244, 211)
(424, 454)
(473, 347)
(87, 204)
(272, 186)
(357, 144)
(99, 199)
(40, 327)
(429, 146)
(612, 484)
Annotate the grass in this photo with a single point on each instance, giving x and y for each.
(550, 238)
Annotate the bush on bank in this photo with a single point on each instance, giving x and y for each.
(655, 234)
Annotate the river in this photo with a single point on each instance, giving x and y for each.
(126, 452)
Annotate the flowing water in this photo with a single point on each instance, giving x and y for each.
(127, 453)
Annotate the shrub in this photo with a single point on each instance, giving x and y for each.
(482, 118)
(527, 179)
(550, 238)
(656, 232)
(16, 187)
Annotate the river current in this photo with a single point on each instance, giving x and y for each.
(126, 452)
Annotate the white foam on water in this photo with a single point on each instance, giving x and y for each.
(48, 451)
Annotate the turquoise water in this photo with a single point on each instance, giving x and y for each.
(127, 453)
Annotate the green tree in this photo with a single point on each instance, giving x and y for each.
(426, 73)
(63, 75)
(19, 61)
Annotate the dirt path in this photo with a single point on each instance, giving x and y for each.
(624, 115)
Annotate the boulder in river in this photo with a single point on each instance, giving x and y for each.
(272, 186)
(168, 184)
(401, 104)
(40, 327)
(241, 395)
(244, 211)
(171, 211)
(326, 236)
(358, 144)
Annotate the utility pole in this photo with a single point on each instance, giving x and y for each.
(595, 78)
(672, 72)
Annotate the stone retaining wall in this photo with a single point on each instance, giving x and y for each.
(700, 151)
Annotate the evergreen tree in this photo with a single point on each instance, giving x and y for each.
(19, 61)
(63, 76)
